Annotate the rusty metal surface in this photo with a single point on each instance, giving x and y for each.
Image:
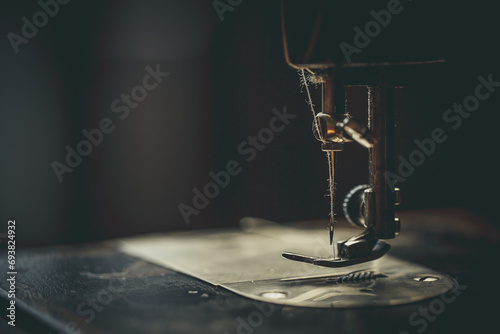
(248, 261)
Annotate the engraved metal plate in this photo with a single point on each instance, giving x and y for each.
(248, 262)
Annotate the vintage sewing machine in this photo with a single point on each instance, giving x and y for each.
(179, 282)
(316, 40)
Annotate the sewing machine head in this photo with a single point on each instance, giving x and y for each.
(327, 43)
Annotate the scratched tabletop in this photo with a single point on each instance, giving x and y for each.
(94, 288)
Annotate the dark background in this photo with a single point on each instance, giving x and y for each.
(225, 79)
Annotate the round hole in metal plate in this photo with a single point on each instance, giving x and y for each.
(426, 278)
(274, 294)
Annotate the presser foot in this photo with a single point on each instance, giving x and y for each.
(377, 251)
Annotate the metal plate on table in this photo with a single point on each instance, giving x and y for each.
(248, 261)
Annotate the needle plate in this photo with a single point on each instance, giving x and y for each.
(248, 262)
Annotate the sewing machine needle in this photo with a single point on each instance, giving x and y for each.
(331, 233)
(332, 189)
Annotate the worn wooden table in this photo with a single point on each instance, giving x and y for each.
(96, 289)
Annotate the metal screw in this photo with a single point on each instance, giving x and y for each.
(426, 278)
